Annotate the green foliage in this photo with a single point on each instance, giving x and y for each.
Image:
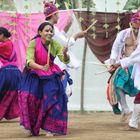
(7, 5)
(61, 4)
(73, 3)
(132, 5)
(86, 2)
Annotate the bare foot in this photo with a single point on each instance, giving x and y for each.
(49, 134)
(125, 116)
(68, 133)
(129, 128)
(27, 132)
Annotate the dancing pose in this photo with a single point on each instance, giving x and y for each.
(43, 102)
(51, 14)
(133, 60)
(121, 83)
(10, 77)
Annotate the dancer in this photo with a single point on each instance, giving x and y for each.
(51, 14)
(10, 77)
(121, 83)
(133, 60)
(43, 102)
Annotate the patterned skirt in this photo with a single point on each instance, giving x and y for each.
(9, 88)
(43, 103)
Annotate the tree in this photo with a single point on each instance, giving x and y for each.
(61, 4)
(73, 3)
(132, 5)
(7, 5)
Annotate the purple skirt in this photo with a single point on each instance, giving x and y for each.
(43, 104)
(9, 88)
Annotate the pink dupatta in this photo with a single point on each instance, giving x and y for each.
(41, 55)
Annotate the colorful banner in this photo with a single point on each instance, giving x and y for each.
(24, 27)
(101, 45)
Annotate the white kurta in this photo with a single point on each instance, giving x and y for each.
(119, 44)
(61, 37)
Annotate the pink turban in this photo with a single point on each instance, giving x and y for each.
(136, 18)
(49, 9)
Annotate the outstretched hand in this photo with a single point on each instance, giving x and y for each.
(80, 34)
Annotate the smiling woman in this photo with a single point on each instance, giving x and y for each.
(43, 102)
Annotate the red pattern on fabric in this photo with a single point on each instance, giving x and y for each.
(108, 93)
(9, 108)
(54, 124)
(29, 111)
(55, 97)
(57, 107)
(32, 116)
(45, 97)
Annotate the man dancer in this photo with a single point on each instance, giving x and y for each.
(51, 14)
(133, 60)
(121, 83)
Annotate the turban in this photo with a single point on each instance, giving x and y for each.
(135, 19)
(49, 9)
